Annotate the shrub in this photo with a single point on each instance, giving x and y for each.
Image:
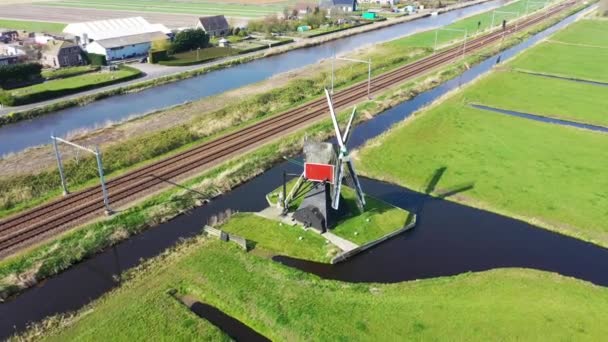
(96, 59)
(189, 39)
(157, 56)
(14, 74)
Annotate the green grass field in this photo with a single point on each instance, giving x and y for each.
(545, 96)
(591, 32)
(246, 9)
(74, 83)
(544, 173)
(194, 57)
(287, 305)
(50, 74)
(554, 58)
(32, 26)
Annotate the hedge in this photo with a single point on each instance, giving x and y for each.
(96, 59)
(14, 74)
(157, 56)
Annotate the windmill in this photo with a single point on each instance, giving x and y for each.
(326, 166)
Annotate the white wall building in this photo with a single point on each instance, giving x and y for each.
(90, 31)
(125, 47)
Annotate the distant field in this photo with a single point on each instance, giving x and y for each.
(36, 26)
(592, 32)
(470, 24)
(240, 8)
(569, 100)
(566, 60)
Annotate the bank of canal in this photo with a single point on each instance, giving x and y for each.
(449, 238)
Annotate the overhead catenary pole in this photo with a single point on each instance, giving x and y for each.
(502, 12)
(445, 29)
(104, 190)
(60, 167)
(369, 73)
(97, 154)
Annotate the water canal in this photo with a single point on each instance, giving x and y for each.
(19, 136)
(449, 238)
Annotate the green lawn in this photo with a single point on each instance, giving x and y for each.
(64, 86)
(287, 305)
(279, 238)
(378, 219)
(591, 32)
(176, 6)
(200, 56)
(50, 74)
(32, 26)
(566, 60)
(545, 96)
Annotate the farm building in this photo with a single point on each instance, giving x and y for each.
(59, 54)
(342, 5)
(88, 32)
(125, 47)
(214, 26)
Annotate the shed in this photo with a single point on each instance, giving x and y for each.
(214, 26)
(369, 15)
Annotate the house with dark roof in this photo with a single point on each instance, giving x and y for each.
(59, 54)
(342, 5)
(214, 26)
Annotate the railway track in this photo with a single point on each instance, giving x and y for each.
(87, 203)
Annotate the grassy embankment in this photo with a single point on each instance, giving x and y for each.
(66, 86)
(286, 304)
(32, 26)
(545, 174)
(39, 262)
(26, 191)
(378, 219)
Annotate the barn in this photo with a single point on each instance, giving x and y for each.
(125, 47)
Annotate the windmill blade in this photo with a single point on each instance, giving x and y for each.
(335, 203)
(334, 119)
(358, 190)
(348, 127)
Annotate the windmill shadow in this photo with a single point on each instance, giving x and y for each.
(432, 193)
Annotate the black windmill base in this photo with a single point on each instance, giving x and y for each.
(316, 211)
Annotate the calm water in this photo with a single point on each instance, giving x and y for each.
(448, 239)
(25, 134)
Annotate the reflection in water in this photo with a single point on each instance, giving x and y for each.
(448, 239)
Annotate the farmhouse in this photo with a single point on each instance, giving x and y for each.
(88, 32)
(343, 5)
(125, 47)
(214, 26)
(6, 60)
(59, 54)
